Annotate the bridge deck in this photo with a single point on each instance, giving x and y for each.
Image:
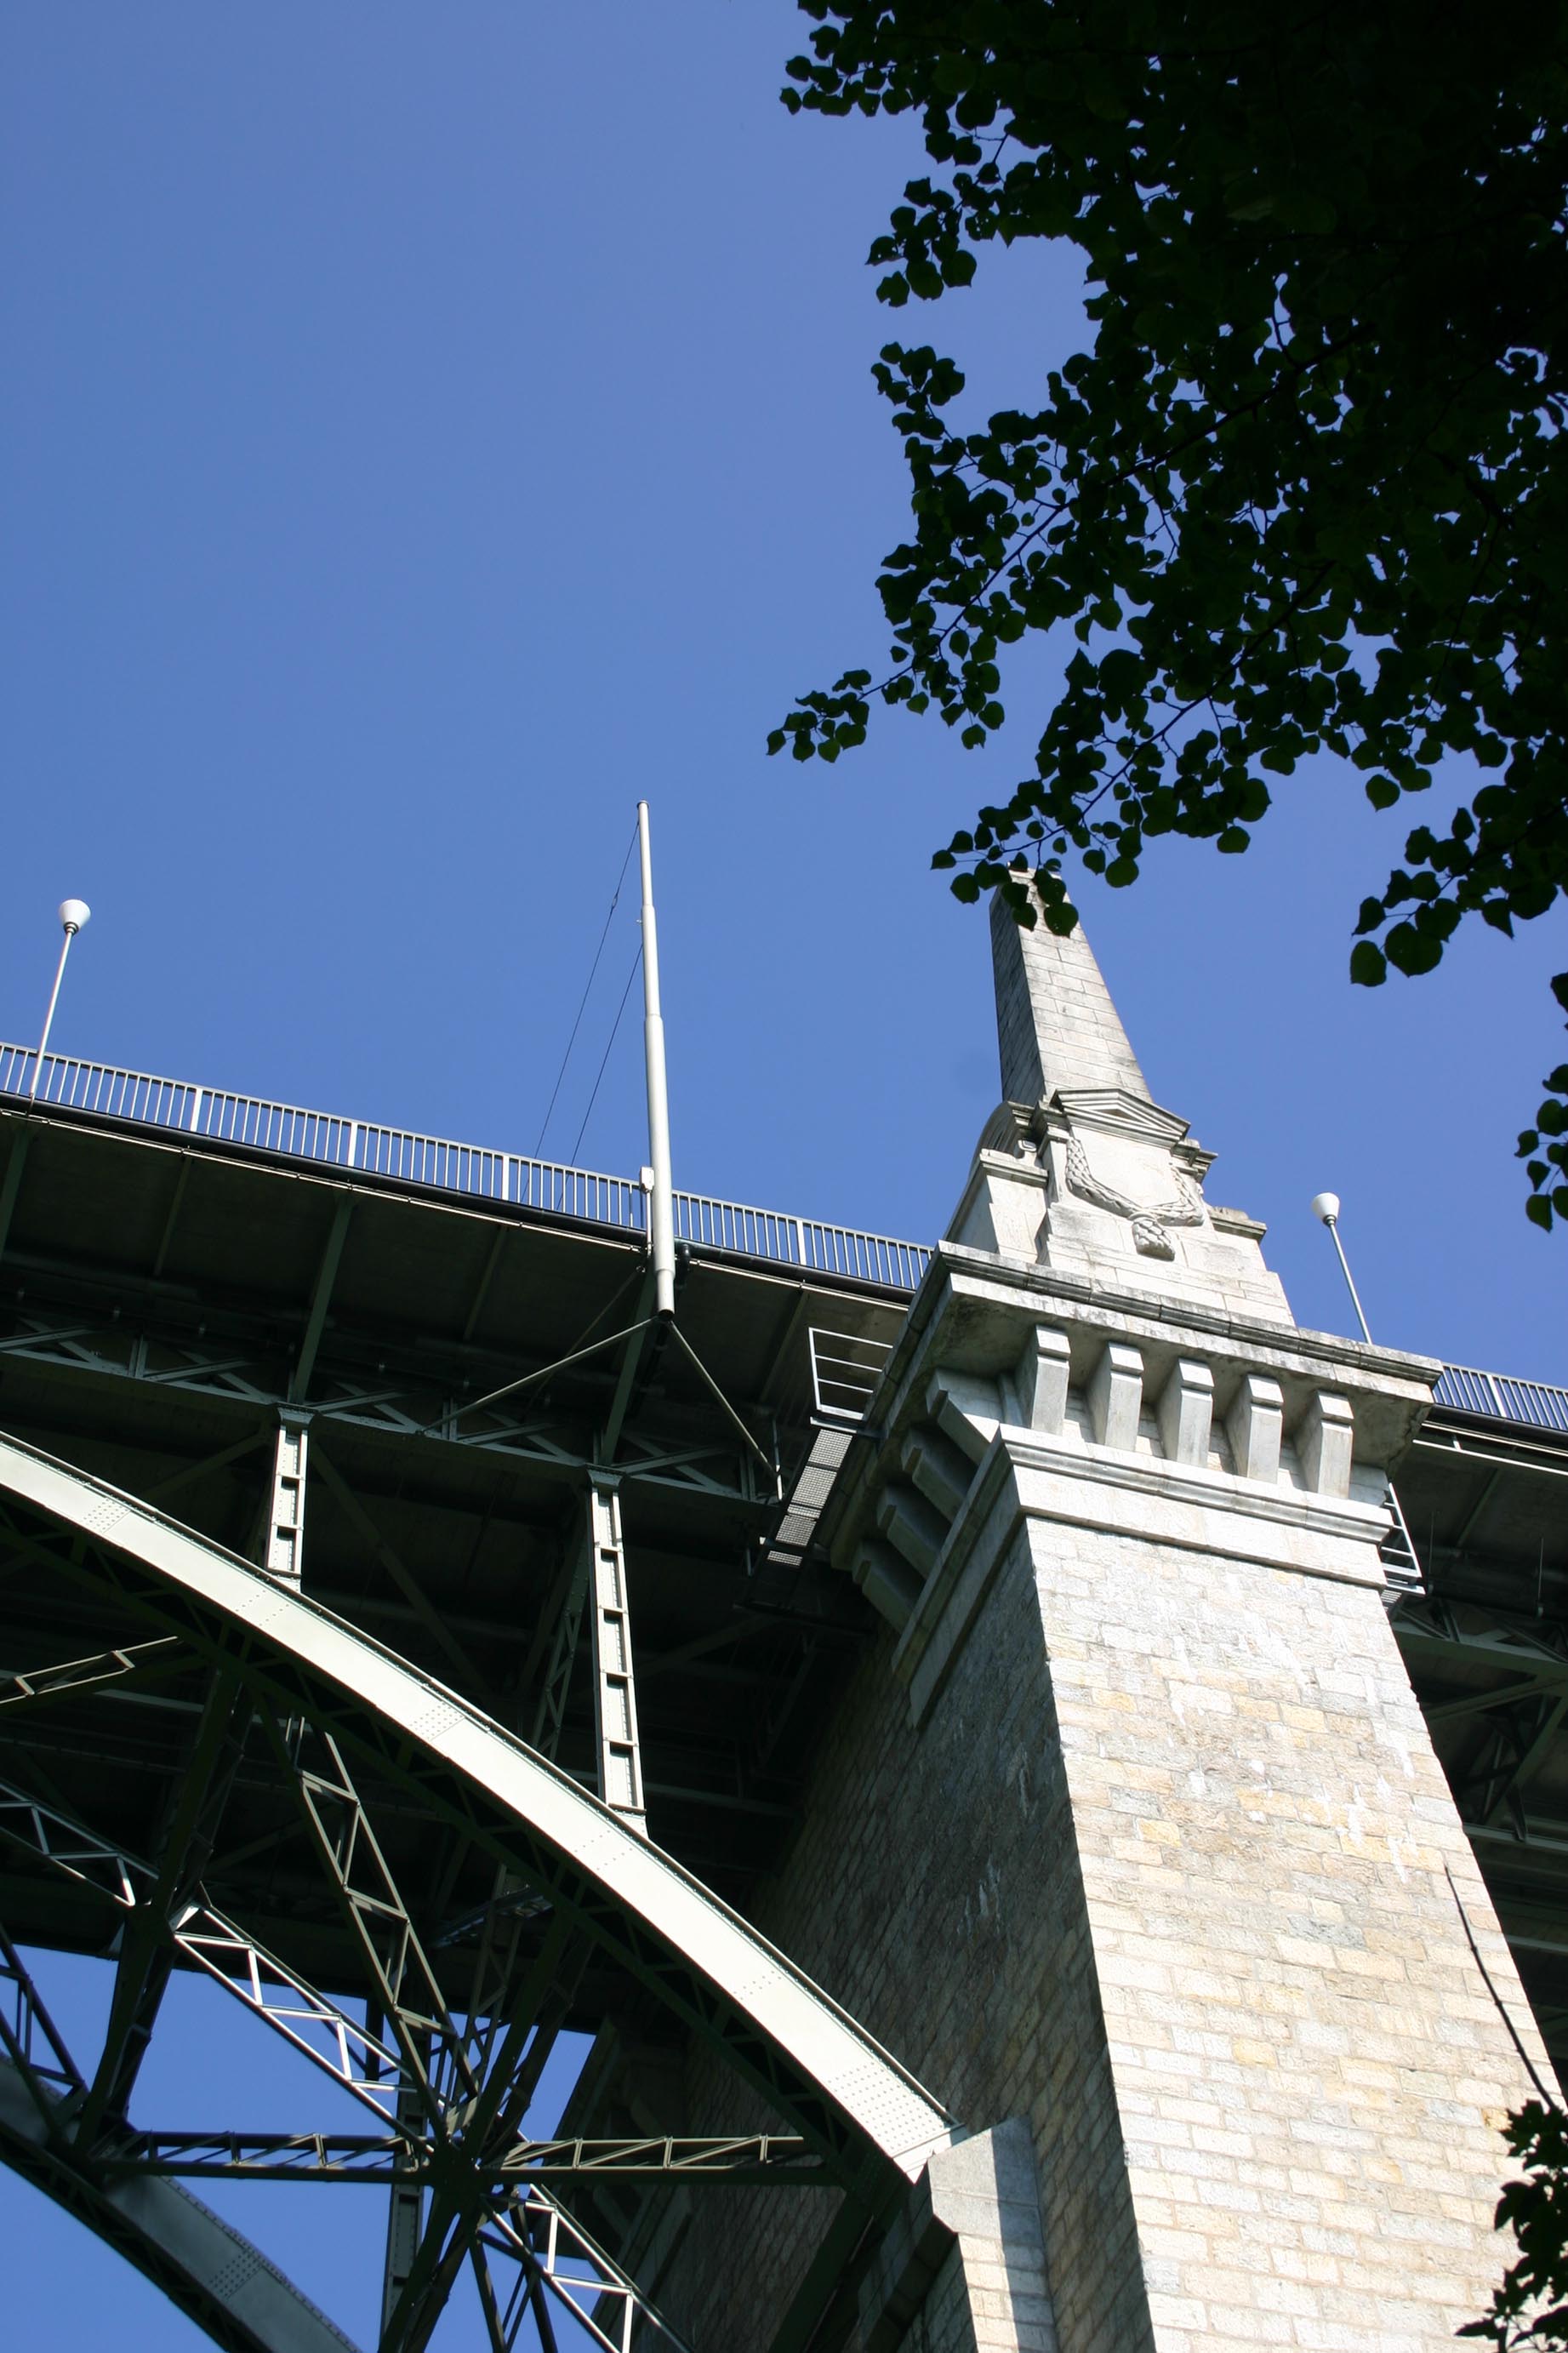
(179, 1264)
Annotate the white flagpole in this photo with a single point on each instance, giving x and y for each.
(661, 1200)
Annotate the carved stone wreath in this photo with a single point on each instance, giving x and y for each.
(1149, 1219)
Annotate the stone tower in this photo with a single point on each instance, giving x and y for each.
(1129, 1837)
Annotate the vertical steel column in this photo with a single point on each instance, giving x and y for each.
(614, 1686)
(406, 2216)
(283, 1540)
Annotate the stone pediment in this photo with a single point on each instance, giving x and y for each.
(1120, 1111)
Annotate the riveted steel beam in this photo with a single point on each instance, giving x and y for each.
(615, 1677)
(283, 1528)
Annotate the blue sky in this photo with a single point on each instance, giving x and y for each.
(424, 432)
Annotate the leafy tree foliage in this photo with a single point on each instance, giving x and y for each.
(1531, 2307)
(1308, 487)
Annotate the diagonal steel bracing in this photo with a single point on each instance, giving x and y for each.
(400, 1408)
(503, 2191)
(33, 2043)
(36, 1687)
(463, 2015)
(146, 1955)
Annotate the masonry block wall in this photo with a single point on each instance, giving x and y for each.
(1163, 1869)
(933, 1889)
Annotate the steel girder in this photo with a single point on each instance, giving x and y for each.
(393, 1407)
(1507, 1679)
(738, 2160)
(334, 1705)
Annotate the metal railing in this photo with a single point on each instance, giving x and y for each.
(409, 1158)
(1535, 1403)
(845, 1370)
(400, 1153)
(800, 1242)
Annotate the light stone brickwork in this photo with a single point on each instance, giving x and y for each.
(934, 1888)
(1309, 2074)
(965, 2266)
(1056, 1024)
(1129, 1827)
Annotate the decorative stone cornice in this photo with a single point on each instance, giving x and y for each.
(1019, 1393)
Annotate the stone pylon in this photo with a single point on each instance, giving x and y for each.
(1131, 1838)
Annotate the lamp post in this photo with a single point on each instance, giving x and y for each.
(1326, 1206)
(73, 914)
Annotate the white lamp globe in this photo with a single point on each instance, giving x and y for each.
(1326, 1205)
(74, 913)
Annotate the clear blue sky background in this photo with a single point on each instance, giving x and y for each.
(424, 432)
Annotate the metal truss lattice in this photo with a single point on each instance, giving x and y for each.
(442, 2014)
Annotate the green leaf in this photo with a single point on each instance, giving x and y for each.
(1412, 951)
(1258, 517)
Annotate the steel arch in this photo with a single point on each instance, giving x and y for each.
(867, 2117)
(205, 2266)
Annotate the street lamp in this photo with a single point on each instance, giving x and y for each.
(73, 914)
(1326, 1206)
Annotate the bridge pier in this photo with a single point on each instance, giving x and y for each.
(1130, 1827)
(963, 2270)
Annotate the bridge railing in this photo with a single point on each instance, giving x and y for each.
(1536, 1403)
(409, 1157)
(402, 1154)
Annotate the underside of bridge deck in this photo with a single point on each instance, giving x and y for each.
(450, 1427)
(435, 1420)
(1487, 1646)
